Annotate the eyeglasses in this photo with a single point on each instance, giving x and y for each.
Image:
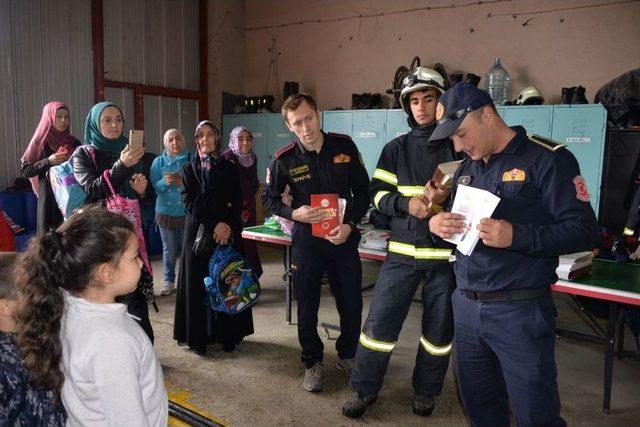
(456, 115)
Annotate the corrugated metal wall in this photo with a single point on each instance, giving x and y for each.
(154, 43)
(45, 55)
(162, 113)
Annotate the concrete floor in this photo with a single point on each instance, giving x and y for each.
(261, 383)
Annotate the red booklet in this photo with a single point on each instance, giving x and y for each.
(329, 203)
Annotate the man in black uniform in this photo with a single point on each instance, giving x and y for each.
(503, 311)
(406, 165)
(319, 163)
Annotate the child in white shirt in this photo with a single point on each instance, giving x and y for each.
(70, 279)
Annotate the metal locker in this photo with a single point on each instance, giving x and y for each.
(369, 135)
(582, 129)
(396, 124)
(536, 119)
(339, 121)
(278, 135)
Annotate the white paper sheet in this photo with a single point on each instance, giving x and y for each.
(474, 204)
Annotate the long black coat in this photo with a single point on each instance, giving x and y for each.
(209, 199)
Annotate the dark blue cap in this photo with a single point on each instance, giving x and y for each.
(453, 107)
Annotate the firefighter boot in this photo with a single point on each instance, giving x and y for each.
(355, 406)
(422, 405)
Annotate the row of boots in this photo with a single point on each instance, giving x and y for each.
(574, 95)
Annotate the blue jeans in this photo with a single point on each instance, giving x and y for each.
(171, 239)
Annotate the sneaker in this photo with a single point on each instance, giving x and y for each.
(346, 366)
(423, 405)
(313, 378)
(168, 289)
(356, 404)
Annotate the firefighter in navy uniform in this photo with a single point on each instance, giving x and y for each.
(504, 315)
(397, 189)
(319, 163)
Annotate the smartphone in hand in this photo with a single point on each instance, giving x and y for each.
(136, 139)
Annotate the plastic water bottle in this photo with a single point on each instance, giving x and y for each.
(496, 82)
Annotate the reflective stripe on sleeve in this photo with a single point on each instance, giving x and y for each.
(385, 176)
(410, 190)
(419, 253)
(379, 195)
(627, 231)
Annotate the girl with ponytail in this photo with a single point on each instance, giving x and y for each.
(72, 335)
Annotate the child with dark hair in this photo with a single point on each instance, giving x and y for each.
(69, 279)
(22, 402)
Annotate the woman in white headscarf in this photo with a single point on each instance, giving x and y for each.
(170, 212)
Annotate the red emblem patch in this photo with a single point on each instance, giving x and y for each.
(582, 193)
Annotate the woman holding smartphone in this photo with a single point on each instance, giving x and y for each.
(170, 212)
(103, 131)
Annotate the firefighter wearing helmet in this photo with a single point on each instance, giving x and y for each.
(401, 187)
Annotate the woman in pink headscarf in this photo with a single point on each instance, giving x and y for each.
(50, 145)
(240, 151)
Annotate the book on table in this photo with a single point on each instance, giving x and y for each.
(572, 266)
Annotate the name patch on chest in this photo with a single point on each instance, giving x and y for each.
(299, 173)
(298, 170)
(299, 178)
(513, 175)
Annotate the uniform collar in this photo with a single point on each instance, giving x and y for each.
(325, 143)
(513, 146)
(422, 134)
(516, 142)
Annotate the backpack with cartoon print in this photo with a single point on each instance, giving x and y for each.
(231, 286)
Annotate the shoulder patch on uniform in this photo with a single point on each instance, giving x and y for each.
(286, 148)
(340, 135)
(547, 143)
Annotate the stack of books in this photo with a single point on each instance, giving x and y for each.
(572, 266)
(375, 239)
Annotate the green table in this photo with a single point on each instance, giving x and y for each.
(261, 233)
(617, 283)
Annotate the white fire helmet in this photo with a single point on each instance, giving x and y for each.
(420, 78)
